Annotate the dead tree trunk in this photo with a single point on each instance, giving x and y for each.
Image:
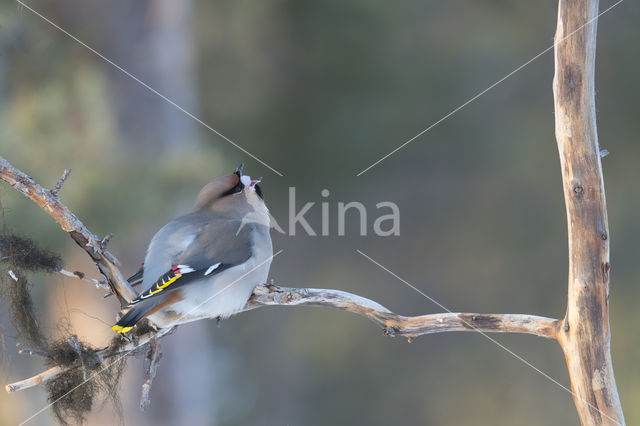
(585, 333)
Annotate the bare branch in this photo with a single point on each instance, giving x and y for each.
(105, 240)
(151, 367)
(27, 351)
(104, 355)
(63, 178)
(391, 324)
(37, 380)
(105, 261)
(81, 276)
(398, 325)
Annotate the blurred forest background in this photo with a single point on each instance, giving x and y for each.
(319, 91)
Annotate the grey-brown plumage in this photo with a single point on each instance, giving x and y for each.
(206, 264)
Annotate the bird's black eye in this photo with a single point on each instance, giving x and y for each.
(236, 189)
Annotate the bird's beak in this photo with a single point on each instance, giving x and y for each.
(254, 181)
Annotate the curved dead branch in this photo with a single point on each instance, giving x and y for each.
(399, 325)
(391, 323)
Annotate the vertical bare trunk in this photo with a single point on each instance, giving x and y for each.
(585, 336)
(152, 40)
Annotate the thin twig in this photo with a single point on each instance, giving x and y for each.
(27, 351)
(81, 276)
(151, 367)
(105, 240)
(61, 181)
(37, 380)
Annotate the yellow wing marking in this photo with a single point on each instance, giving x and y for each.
(159, 288)
(169, 282)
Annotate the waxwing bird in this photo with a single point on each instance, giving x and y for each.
(205, 264)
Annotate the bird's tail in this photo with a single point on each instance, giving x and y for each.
(130, 319)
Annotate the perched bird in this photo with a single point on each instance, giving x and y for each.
(205, 264)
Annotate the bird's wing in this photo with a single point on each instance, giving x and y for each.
(177, 276)
(226, 241)
(217, 246)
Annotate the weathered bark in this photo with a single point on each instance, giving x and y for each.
(399, 325)
(585, 336)
(48, 200)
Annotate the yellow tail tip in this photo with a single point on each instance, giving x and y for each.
(121, 329)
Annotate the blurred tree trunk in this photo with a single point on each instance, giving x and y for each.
(585, 335)
(153, 41)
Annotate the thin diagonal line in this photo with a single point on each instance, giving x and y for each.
(488, 337)
(151, 89)
(487, 89)
(167, 328)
